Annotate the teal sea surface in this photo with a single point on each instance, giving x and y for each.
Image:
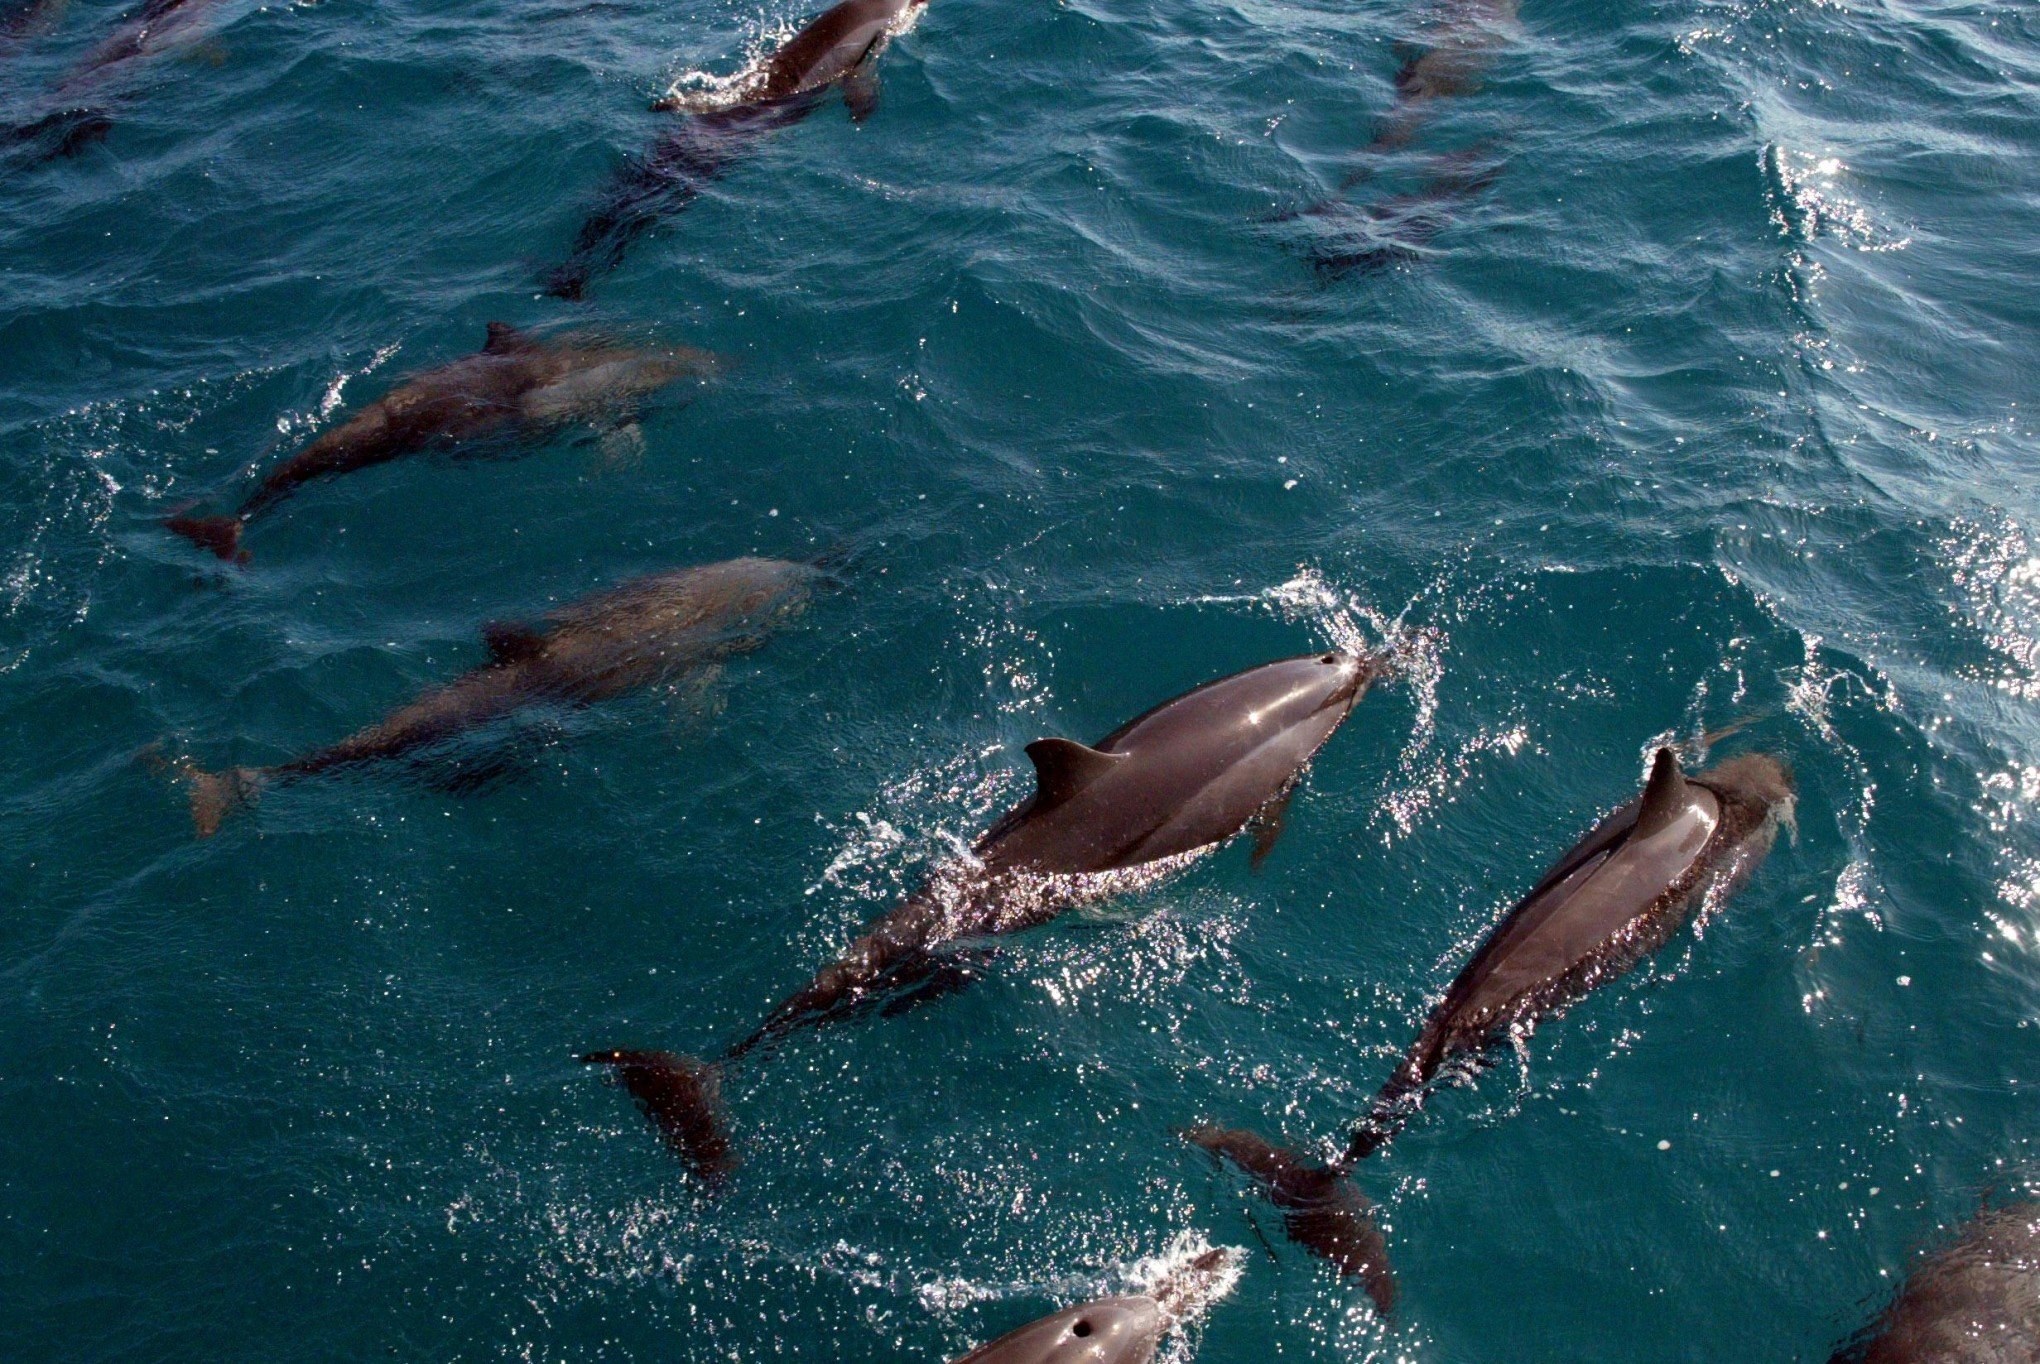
(1681, 379)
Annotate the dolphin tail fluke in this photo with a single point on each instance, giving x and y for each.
(682, 1096)
(220, 534)
(215, 795)
(63, 133)
(1322, 1209)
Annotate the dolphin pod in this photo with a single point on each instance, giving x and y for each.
(1122, 1330)
(644, 632)
(839, 48)
(1614, 898)
(519, 385)
(1184, 776)
(1977, 1301)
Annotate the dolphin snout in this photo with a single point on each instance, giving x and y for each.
(1350, 677)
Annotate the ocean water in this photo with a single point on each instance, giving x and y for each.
(1707, 403)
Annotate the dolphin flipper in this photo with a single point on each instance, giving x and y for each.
(683, 1098)
(860, 93)
(1267, 827)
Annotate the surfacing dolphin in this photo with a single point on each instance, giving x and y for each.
(1616, 897)
(1364, 238)
(82, 118)
(1183, 777)
(1975, 1302)
(840, 47)
(519, 385)
(642, 633)
(1121, 1330)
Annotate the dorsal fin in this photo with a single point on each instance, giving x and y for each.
(1063, 767)
(511, 642)
(1663, 798)
(505, 339)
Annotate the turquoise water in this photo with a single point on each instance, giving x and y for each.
(1708, 407)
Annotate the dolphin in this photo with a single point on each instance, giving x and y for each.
(518, 384)
(1616, 897)
(1449, 63)
(839, 48)
(636, 635)
(1365, 239)
(81, 119)
(1122, 1330)
(25, 19)
(1975, 1302)
(1185, 776)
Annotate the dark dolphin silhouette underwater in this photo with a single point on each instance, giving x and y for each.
(644, 632)
(518, 385)
(1616, 897)
(83, 113)
(1183, 777)
(838, 49)
(1349, 238)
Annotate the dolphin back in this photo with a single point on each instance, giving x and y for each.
(1975, 1302)
(1188, 774)
(643, 631)
(835, 43)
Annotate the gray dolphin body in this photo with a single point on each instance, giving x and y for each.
(1617, 896)
(634, 636)
(1190, 773)
(839, 48)
(518, 385)
(1123, 1330)
(1975, 1302)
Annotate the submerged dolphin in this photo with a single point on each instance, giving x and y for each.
(1367, 238)
(1364, 239)
(1616, 897)
(23, 19)
(519, 385)
(153, 27)
(840, 47)
(1123, 1330)
(1183, 777)
(1976, 1302)
(642, 633)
